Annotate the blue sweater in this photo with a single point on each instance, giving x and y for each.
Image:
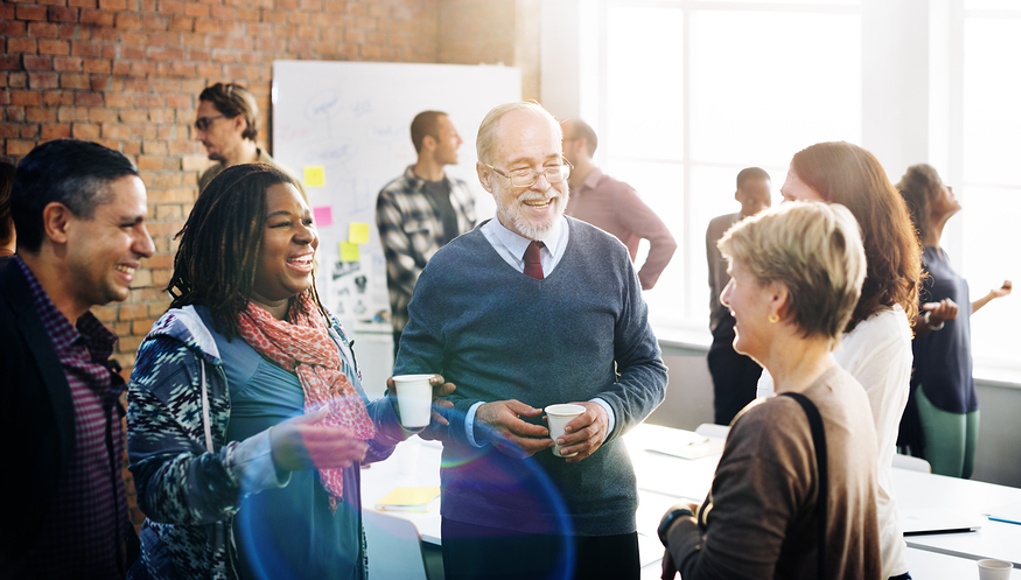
(498, 334)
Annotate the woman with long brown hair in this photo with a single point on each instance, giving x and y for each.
(876, 347)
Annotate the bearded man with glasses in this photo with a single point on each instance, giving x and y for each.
(227, 124)
(530, 309)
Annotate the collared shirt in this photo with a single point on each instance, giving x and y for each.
(511, 248)
(411, 231)
(85, 527)
(615, 207)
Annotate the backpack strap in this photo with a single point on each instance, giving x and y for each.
(819, 441)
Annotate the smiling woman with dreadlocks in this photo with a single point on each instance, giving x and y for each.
(247, 421)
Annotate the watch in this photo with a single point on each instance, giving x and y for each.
(669, 519)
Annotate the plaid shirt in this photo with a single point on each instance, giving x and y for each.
(85, 528)
(412, 231)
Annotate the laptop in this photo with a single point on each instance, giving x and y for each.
(920, 521)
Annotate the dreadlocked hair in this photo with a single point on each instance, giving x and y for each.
(216, 260)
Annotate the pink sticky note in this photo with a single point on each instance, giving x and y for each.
(323, 215)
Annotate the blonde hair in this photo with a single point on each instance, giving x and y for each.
(815, 250)
(485, 141)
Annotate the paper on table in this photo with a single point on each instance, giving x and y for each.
(409, 499)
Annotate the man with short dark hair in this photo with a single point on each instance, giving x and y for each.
(422, 210)
(613, 205)
(227, 123)
(734, 375)
(79, 210)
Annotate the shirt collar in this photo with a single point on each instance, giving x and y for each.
(517, 244)
(62, 332)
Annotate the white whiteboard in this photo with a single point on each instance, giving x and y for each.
(353, 119)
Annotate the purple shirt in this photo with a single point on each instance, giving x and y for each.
(84, 530)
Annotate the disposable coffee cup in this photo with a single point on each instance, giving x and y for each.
(990, 569)
(558, 416)
(414, 400)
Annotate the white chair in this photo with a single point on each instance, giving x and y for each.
(712, 430)
(911, 463)
(394, 548)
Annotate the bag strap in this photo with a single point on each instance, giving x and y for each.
(819, 441)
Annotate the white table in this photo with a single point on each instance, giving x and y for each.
(665, 479)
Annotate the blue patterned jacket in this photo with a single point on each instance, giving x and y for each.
(190, 495)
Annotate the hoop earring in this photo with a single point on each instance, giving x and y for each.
(774, 318)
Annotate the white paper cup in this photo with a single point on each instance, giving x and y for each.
(414, 399)
(990, 569)
(558, 416)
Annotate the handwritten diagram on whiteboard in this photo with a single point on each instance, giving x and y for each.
(344, 128)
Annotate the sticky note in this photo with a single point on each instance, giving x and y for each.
(315, 176)
(358, 233)
(349, 252)
(323, 215)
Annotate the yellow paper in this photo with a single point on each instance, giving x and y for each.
(349, 252)
(315, 176)
(358, 233)
(417, 499)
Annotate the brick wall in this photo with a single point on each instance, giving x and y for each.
(127, 74)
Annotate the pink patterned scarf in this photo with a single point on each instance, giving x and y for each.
(303, 346)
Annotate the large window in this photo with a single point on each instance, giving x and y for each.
(685, 93)
(989, 184)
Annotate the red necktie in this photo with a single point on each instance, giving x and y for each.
(533, 265)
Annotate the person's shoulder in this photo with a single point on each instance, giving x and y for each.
(186, 326)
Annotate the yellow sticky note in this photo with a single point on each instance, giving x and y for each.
(315, 176)
(358, 233)
(349, 252)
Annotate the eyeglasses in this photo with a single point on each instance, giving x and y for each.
(203, 123)
(528, 177)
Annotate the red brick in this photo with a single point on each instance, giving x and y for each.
(85, 131)
(103, 116)
(18, 148)
(10, 62)
(42, 80)
(99, 83)
(56, 47)
(7, 11)
(51, 131)
(170, 6)
(29, 131)
(58, 98)
(97, 66)
(118, 100)
(40, 115)
(196, 10)
(22, 46)
(67, 64)
(26, 98)
(128, 21)
(113, 4)
(82, 3)
(88, 99)
(74, 81)
(207, 25)
(97, 17)
(181, 23)
(33, 63)
(29, 12)
(11, 27)
(62, 14)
